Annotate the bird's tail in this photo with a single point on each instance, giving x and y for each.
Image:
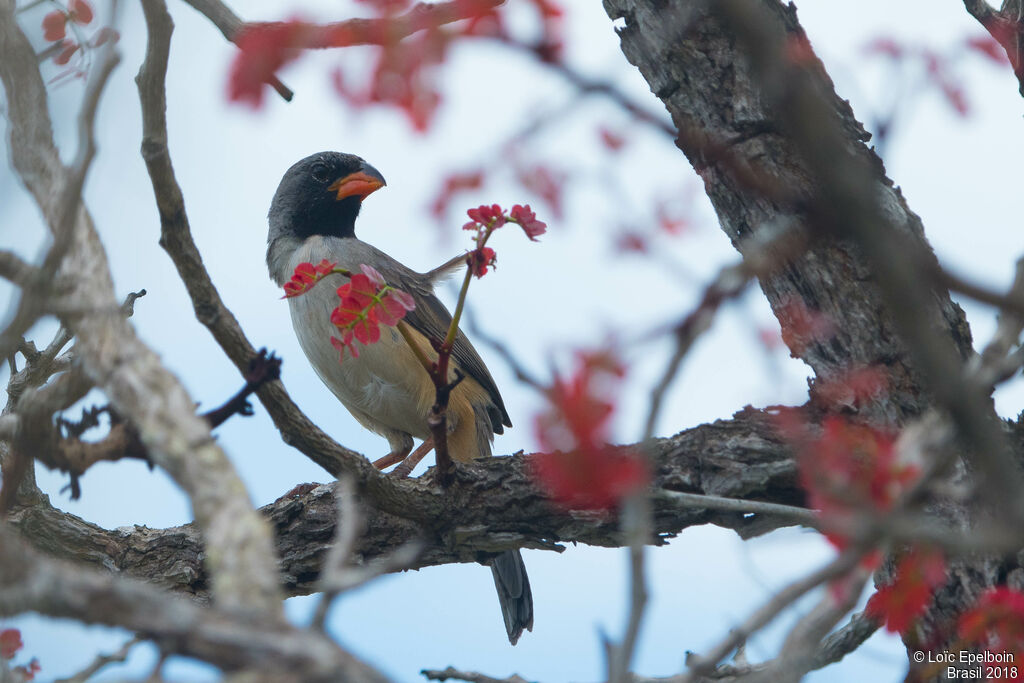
(514, 593)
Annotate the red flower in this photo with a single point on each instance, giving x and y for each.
(549, 47)
(394, 306)
(989, 47)
(996, 621)
(668, 223)
(631, 241)
(886, 47)
(64, 56)
(305, 276)
(54, 26)
(262, 50)
(404, 73)
(851, 389)
(367, 302)
(103, 35)
(453, 184)
(596, 479)
(485, 217)
(849, 468)
(358, 293)
(612, 140)
(802, 326)
(81, 11)
(527, 219)
(345, 343)
(479, 259)
(546, 184)
(28, 672)
(581, 470)
(10, 643)
(901, 602)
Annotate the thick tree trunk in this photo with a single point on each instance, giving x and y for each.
(758, 177)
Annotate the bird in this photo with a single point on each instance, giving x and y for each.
(386, 389)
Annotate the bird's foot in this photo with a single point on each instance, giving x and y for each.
(407, 466)
(392, 457)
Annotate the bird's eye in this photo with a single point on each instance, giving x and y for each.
(320, 173)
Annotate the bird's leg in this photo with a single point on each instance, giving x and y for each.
(405, 469)
(396, 455)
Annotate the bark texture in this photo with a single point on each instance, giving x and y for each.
(492, 507)
(736, 118)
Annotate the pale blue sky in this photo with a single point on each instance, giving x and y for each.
(545, 299)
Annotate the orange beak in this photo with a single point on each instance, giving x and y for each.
(358, 184)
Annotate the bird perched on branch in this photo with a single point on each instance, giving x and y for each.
(386, 388)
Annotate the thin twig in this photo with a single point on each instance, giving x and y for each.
(419, 17)
(636, 526)
(349, 527)
(100, 662)
(696, 501)
(761, 256)
(16, 270)
(64, 209)
(453, 674)
(704, 664)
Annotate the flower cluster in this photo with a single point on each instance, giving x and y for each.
(306, 275)
(938, 68)
(411, 44)
(847, 470)
(918, 574)
(10, 644)
(803, 326)
(545, 182)
(367, 302)
(453, 184)
(580, 469)
(996, 621)
(55, 30)
(405, 70)
(485, 220)
(262, 50)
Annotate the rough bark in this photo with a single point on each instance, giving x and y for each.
(694, 65)
(741, 119)
(493, 506)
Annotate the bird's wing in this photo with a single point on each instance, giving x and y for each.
(431, 318)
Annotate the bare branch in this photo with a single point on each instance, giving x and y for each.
(847, 204)
(16, 270)
(1006, 27)
(636, 527)
(243, 571)
(703, 664)
(761, 256)
(230, 640)
(348, 529)
(296, 429)
(356, 31)
(452, 674)
(100, 662)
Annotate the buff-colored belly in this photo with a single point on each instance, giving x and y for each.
(385, 387)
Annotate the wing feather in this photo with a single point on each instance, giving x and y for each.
(431, 318)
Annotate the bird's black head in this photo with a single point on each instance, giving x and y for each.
(322, 195)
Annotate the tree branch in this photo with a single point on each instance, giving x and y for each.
(111, 355)
(231, 640)
(739, 459)
(296, 429)
(419, 17)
